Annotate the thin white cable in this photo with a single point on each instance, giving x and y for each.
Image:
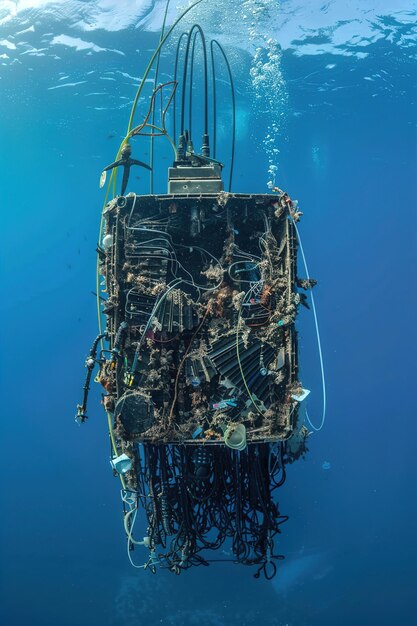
(131, 503)
(130, 556)
(323, 379)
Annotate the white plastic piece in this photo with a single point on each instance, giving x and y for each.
(281, 358)
(154, 558)
(121, 464)
(107, 242)
(235, 437)
(301, 396)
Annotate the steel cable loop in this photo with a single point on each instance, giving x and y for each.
(232, 88)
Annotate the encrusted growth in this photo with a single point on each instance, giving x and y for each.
(202, 299)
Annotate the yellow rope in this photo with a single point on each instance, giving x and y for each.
(155, 54)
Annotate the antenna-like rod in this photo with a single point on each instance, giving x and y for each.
(196, 27)
(232, 88)
(177, 54)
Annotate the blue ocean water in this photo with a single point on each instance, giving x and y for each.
(326, 104)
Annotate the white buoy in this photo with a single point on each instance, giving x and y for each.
(107, 242)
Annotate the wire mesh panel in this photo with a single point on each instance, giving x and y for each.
(204, 299)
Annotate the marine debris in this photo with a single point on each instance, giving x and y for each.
(198, 359)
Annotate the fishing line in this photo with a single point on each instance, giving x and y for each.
(323, 379)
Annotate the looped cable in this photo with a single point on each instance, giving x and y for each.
(268, 569)
(313, 305)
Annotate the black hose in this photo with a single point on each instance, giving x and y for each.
(158, 60)
(89, 363)
(184, 83)
(119, 340)
(232, 88)
(282, 468)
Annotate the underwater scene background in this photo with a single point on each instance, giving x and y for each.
(326, 110)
